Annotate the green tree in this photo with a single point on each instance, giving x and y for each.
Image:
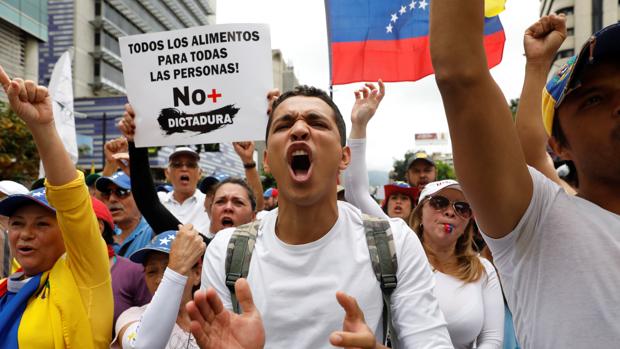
(444, 171)
(267, 180)
(400, 167)
(19, 159)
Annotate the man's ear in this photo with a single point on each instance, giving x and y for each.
(265, 162)
(562, 151)
(346, 158)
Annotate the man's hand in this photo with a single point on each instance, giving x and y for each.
(367, 100)
(272, 95)
(127, 125)
(116, 155)
(543, 39)
(217, 328)
(31, 102)
(245, 150)
(113, 147)
(355, 333)
(186, 249)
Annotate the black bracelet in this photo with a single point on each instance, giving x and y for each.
(250, 165)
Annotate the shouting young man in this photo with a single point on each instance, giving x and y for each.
(313, 246)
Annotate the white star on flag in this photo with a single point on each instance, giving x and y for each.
(37, 194)
(412, 5)
(171, 236)
(164, 241)
(403, 9)
(423, 4)
(394, 17)
(389, 28)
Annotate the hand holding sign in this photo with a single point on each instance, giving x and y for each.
(198, 85)
(127, 125)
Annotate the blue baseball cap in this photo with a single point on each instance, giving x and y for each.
(212, 180)
(604, 43)
(119, 178)
(10, 204)
(160, 243)
(164, 187)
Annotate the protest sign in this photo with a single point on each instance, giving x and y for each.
(199, 85)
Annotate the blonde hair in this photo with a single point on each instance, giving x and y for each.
(469, 268)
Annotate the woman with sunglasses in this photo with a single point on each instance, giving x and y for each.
(466, 285)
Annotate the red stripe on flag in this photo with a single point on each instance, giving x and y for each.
(395, 60)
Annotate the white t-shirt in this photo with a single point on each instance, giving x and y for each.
(559, 269)
(294, 286)
(474, 310)
(179, 339)
(191, 211)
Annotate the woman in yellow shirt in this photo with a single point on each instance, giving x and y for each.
(62, 297)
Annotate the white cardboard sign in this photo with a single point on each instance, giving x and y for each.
(199, 85)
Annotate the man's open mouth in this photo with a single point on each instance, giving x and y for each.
(184, 179)
(300, 162)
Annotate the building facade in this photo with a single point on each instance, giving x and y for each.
(583, 17)
(23, 25)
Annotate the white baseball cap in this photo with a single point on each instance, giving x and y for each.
(12, 188)
(433, 187)
(184, 150)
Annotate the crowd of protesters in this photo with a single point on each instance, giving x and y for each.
(511, 255)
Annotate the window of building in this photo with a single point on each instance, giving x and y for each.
(565, 54)
(145, 15)
(112, 73)
(114, 16)
(597, 15)
(569, 10)
(570, 31)
(111, 43)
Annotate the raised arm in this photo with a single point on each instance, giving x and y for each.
(114, 150)
(487, 155)
(245, 150)
(142, 186)
(367, 100)
(541, 42)
(34, 105)
(86, 256)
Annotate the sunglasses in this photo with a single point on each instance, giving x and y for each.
(120, 192)
(440, 203)
(178, 164)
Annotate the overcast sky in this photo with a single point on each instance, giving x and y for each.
(298, 29)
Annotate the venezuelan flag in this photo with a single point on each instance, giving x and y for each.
(389, 39)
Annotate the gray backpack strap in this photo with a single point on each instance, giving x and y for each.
(238, 257)
(384, 264)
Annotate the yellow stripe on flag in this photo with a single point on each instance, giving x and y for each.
(493, 8)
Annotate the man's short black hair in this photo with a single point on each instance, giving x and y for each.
(243, 184)
(310, 91)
